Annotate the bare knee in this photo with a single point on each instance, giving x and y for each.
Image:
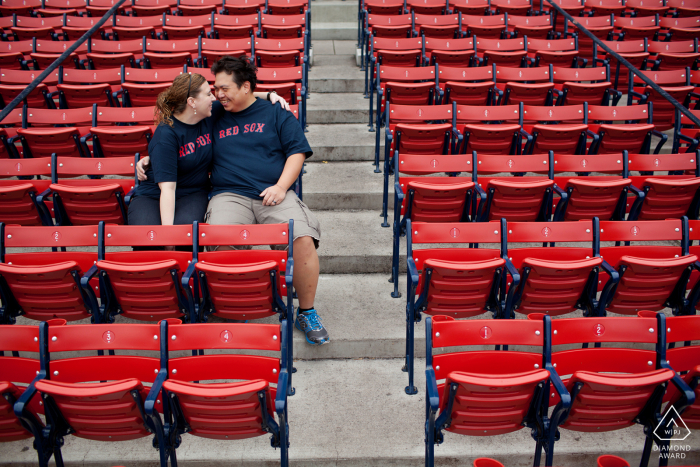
(304, 245)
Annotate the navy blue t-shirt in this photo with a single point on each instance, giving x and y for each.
(181, 153)
(252, 147)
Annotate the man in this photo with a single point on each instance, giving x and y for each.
(259, 151)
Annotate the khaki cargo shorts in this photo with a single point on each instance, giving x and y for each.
(235, 209)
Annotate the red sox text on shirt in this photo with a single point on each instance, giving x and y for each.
(190, 147)
(250, 128)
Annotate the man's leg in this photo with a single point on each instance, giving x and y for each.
(229, 209)
(307, 233)
(306, 270)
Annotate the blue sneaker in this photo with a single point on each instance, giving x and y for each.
(310, 324)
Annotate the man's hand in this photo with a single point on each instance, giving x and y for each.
(274, 98)
(141, 168)
(273, 195)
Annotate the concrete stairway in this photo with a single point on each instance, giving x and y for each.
(350, 408)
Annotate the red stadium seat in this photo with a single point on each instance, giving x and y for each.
(111, 138)
(428, 199)
(600, 26)
(684, 360)
(248, 400)
(113, 408)
(144, 285)
(557, 52)
(554, 281)
(287, 7)
(578, 85)
(534, 27)
(636, 28)
(440, 26)
(599, 376)
(502, 52)
(674, 55)
(485, 27)
(214, 49)
(18, 198)
(280, 52)
(63, 141)
(89, 201)
(488, 129)
(674, 82)
(470, 86)
(665, 196)
(638, 267)
(244, 284)
(455, 281)
(531, 86)
(46, 285)
(425, 7)
(585, 197)
(449, 52)
(16, 374)
(133, 91)
(470, 7)
(632, 133)
(412, 129)
(561, 129)
(169, 54)
(519, 199)
(513, 390)
(243, 7)
(512, 7)
(83, 88)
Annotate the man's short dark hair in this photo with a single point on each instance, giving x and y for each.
(240, 68)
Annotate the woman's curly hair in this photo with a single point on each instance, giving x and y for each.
(174, 99)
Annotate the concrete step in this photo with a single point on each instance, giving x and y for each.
(338, 108)
(335, 73)
(341, 186)
(334, 11)
(353, 242)
(334, 47)
(345, 30)
(343, 142)
(353, 413)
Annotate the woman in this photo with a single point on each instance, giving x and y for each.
(177, 185)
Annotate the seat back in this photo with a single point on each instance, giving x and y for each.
(16, 373)
(245, 284)
(18, 203)
(247, 405)
(483, 393)
(604, 197)
(514, 198)
(572, 270)
(684, 329)
(115, 408)
(650, 278)
(665, 196)
(610, 387)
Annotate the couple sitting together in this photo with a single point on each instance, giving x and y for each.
(254, 150)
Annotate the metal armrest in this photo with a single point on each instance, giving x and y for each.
(663, 137)
(688, 395)
(40, 197)
(431, 386)
(153, 394)
(412, 271)
(281, 397)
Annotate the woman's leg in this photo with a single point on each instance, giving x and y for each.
(144, 211)
(191, 208)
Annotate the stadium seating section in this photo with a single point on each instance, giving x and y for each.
(547, 196)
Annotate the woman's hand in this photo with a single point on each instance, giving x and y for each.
(141, 168)
(274, 98)
(273, 195)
